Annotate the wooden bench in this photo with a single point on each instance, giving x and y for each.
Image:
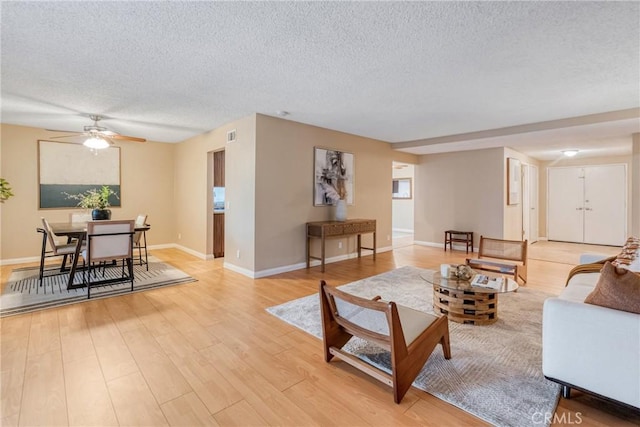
(504, 257)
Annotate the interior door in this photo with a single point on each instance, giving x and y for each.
(526, 203)
(605, 215)
(565, 196)
(534, 232)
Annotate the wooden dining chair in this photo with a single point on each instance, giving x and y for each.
(410, 335)
(109, 241)
(140, 240)
(57, 249)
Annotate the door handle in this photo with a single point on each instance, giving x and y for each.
(588, 209)
(578, 209)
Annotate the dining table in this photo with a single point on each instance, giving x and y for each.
(78, 231)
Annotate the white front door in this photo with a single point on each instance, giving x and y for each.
(565, 195)
(605, 209)
(526, 203)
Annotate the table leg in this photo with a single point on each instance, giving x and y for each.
(374, 245)
(359, 245)
(308, 254)
(74, 266)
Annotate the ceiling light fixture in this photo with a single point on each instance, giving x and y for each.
(96, 143)
(282, 113)
(570, 153)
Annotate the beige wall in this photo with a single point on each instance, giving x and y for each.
(193, 186)
(463, 191)
(146, 184)
(284, 189)
(577, 161)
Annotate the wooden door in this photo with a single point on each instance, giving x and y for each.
(565, 207)
(605, 208)
(218, 235)
(218, 169)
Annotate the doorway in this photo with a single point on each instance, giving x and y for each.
(402, 201)
(530, 230)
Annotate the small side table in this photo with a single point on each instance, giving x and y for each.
(465, 237)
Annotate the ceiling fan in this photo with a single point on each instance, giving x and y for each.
(97, 136)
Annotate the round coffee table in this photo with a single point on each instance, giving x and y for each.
(463, 303)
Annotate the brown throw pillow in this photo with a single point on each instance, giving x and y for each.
(617, 288)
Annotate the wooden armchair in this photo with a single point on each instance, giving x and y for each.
(505, 257)
(409, 335)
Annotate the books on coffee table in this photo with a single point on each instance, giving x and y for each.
(485, 281)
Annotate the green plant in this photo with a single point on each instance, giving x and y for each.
(94, 198)
(5, 190)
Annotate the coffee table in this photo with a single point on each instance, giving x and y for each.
(463, 303)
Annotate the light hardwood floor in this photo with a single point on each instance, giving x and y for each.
(207, 353)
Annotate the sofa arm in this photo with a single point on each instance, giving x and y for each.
(592, 347)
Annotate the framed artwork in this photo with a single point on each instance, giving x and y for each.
(333, 177)
(513, 181)
(65, 167)
(401, 188)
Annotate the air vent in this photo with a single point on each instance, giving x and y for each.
(231, 136)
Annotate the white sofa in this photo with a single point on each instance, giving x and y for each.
(591, 348)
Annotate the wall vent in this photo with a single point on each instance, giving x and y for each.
(231, 136)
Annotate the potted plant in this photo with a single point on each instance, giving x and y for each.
(97, 200)
(5, 190)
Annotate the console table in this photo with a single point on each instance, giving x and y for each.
(336, 229)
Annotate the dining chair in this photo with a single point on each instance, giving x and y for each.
(108, 241)
(79, 217)
(140, 240)
(57, 249)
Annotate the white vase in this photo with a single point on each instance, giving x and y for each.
(341, 210)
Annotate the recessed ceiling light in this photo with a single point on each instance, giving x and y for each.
(569, 153)
(282, 113)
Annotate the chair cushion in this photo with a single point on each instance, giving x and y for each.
(617, 288)
(413, 322)
(68, 248)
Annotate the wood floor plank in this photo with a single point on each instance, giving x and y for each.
(11, 384)
(44, 335)
(240, 415)
(187, 411)
(163, 377)
(89, 403)
(43, 397)
(134, 403)
(114, 355)
(75, 339)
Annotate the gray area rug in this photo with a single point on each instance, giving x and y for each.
(23, 294)
(496, 370)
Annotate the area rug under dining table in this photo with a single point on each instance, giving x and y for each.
(23, 293)
(496, 370)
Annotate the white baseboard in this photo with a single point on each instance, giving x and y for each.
(189, 251)
(24, 260)
(402, 230)
(298, 266)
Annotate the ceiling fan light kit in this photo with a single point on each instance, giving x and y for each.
(96, 143)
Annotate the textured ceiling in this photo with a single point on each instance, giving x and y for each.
(395, 71)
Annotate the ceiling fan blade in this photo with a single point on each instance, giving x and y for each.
(58, 130)
(67, 136)
(128, 138)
